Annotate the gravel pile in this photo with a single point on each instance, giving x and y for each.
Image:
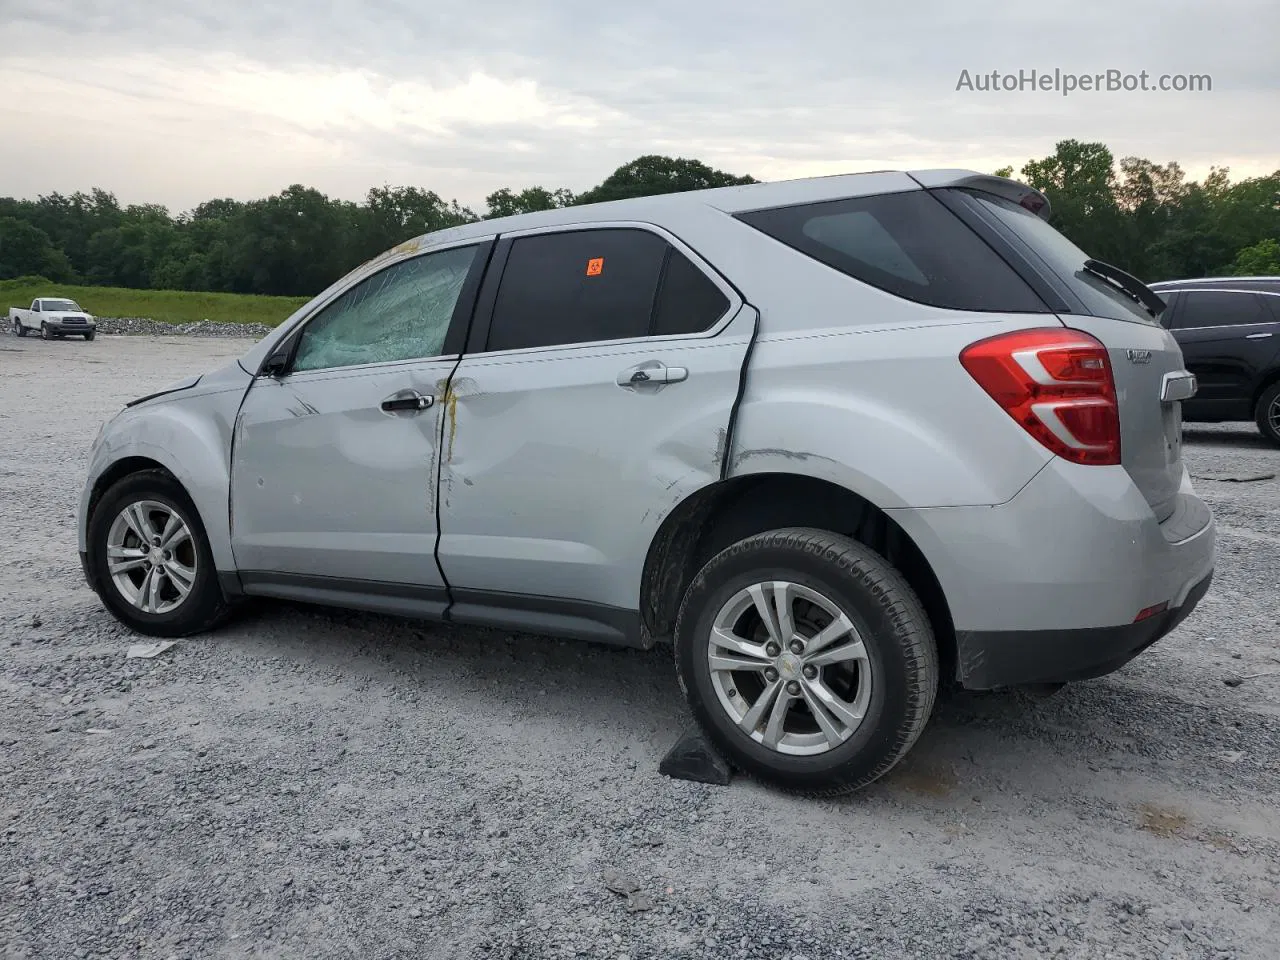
(316, 784)
(140, 326)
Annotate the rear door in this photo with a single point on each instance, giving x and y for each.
(596, 394)
(1229, 337)
(1146, 361)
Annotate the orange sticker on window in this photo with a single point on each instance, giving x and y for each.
(595, 267)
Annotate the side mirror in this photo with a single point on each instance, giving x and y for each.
(277, 361)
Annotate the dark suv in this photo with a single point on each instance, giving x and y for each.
(1229, 331)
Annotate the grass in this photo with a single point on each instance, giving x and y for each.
(168, 306)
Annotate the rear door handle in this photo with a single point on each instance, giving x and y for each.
(652, 372)
(1257, 336)
(408, 400)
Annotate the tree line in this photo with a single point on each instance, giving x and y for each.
(1145, 217)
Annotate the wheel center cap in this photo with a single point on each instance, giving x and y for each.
(156, 554)
(789, 666)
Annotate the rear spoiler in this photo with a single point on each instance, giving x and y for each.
(1019, 193)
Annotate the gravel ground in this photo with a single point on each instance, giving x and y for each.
(315, 784)
(139, 326)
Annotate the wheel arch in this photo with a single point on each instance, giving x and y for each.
(187, 446)
(725, 512)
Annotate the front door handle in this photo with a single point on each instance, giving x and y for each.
(408, 400)
(1257, 336)
(652, 373)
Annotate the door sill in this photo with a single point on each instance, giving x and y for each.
(547, 616)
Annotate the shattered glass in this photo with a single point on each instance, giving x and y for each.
(400, 313)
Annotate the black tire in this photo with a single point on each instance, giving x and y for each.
(1267, 413)
(18, 329)
(204, 607)
(89, 336)
(44, 332)
(895, 630)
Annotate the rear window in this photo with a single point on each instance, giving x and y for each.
(907, 244)
(1065, 259)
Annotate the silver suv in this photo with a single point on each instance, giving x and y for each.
(836, 440)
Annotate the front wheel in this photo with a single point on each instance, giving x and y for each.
(44, 332)
(1267, 413)
(807, 660)
(149, 558)
(90, 335)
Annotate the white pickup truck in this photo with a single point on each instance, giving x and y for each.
(53, 317)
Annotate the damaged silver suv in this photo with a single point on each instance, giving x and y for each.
(834, 440)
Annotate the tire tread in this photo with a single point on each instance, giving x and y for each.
(913, 633)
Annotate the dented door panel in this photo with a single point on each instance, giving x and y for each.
(554, 477)
(325, 483)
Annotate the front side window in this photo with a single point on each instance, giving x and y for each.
(400, 313)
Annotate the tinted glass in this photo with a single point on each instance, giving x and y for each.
(1214, 308)
(400, 313)
(908, 244)
(577, 287)
(1171, 311)
(1066, 260)
(688, 301)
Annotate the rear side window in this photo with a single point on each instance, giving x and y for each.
(1064, 259)
(688, 302)
(581, 286)
(576, 287)
(1219, 308)
(907, 244)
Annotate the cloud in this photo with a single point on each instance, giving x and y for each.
(178, 101)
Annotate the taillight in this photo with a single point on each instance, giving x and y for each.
(1057, 384)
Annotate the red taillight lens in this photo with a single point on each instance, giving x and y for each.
(1057, 384)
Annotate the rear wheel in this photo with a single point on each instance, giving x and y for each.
(807, 660)
(149, 558)
(1267, 413)
(18, 329)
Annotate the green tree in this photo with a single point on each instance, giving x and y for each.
(26, 250)
(504, 203)
(1079, 181)
(1006, 172)
(651, 174)
(1262, 259)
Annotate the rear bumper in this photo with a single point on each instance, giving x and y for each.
(987, 660)
(1047, 587)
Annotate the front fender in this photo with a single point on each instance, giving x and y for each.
(190, 436)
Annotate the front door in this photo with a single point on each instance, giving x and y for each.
(334, 461)
(599, 398)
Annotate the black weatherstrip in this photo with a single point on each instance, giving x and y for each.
(459, 340)
(478, 333)
(455, 339)
(726, 458)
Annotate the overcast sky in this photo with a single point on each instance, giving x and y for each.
(178, 101)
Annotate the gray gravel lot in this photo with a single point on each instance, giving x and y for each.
(315, 784)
